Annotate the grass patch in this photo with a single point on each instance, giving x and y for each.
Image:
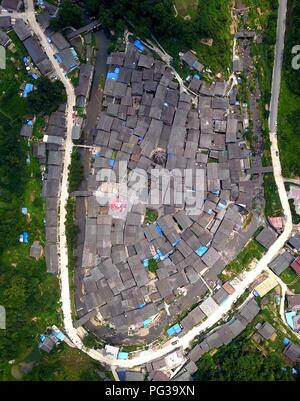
(291, 279)
(288, 130)
(253, 251)
(187, 8)
(38, 127)
(75, 172)
(273, 205)
(66, 364)
(74, 77)
(295, 216)
(132, 347)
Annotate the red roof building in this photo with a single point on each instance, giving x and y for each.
(228, 288)
(296, 265)
(276, 223)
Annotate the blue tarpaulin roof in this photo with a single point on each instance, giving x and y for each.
(159, 230)
(59, 335)
(146, 262)
(123, 355)
(201, 250)
(113, 76)
(122, 375)
(174, 330)
(24, 210)
(111, 162)
(197, 76)
(139, 45)
(23, 237)
(221, 205)
(286, 341)
(146, 323)
(34, 76)
(28, 88)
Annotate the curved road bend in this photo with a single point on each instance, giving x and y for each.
(150, 355)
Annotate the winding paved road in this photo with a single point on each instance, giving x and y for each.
(150, 355)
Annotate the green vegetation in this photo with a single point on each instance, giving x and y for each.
(187, 9)
(292, 39)
(295, 215)
(291, 279)
(74, 77)
(242, 263)
(71, 232)
(38, 127)
(47, 96)
(241, 361)
(29, 295)
(69, 14)
(152, 266)
(91, 341)
(196, 20)
(288, 129)
(75, 179)
(75, 172)
(131, 347)
(65, 364)
(151, 216)
(289, 108)
(245, 358)
(263, 18)
(273, 204)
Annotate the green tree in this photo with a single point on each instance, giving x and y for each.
(69, 14)
(47, 96)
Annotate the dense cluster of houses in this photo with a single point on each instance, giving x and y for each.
(12, 5)
(150, 124)
(33, 47)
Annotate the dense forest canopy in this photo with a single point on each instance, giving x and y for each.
(292, 39)
(69, 14)
(157, 17)
(47, 96)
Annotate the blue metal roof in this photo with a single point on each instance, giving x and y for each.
(289, 318)
(174, 330)
(123, 355)
(201, 250)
